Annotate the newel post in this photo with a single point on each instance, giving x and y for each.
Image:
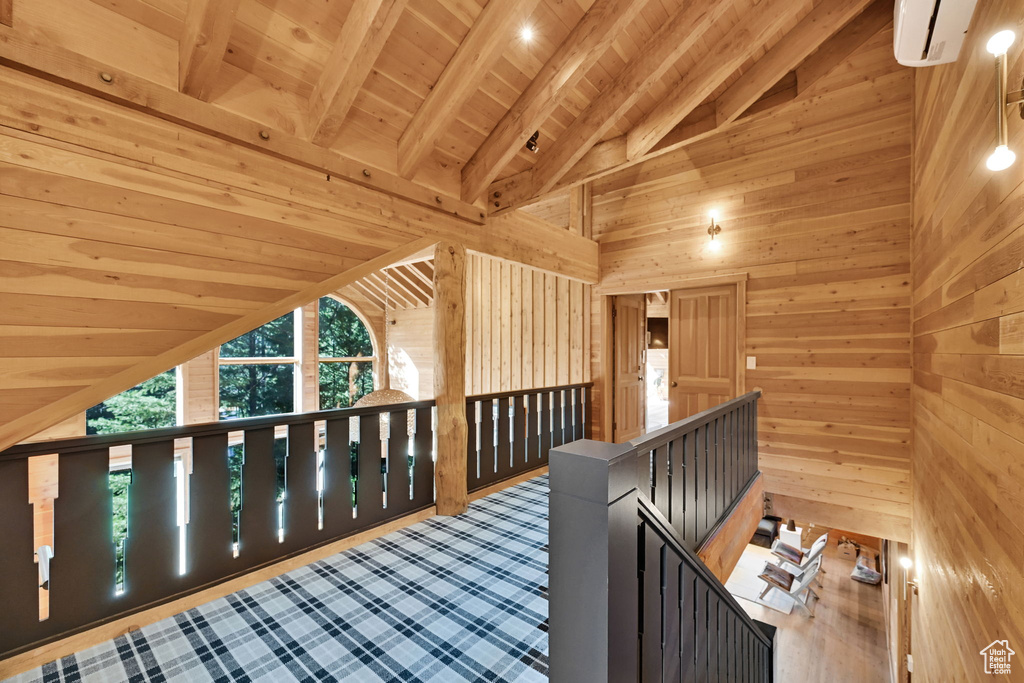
(450, 378)
(593, 522)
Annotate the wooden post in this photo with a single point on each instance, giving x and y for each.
(450, 378)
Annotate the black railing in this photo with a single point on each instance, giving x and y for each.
(630, 600)
(511, 433)
(200, 504)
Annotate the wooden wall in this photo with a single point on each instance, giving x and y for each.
(815, 206)
(968, 238)
(132, 244)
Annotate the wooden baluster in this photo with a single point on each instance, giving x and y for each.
(557, 413)
(258, 519)
(370, 486)
(567, 414)
(301, 517)
(399, 501)
(209, 529)
(533, 455)
(671, 655)
(488, 462)
(19, 571)
(338, 519)
(578, 420)
(691, 499)
(423, 454)
(151, 549)
(473, 462)
(520, 455)
(82, 569)
(545, 425)
(504, 447)
(661, 496)
(677, 486)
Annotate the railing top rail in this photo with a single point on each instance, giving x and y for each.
(671, 536)
(659, 437)
(525, 392)
(85, 443)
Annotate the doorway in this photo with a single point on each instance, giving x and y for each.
(676, 352)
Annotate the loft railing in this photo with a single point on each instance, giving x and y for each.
(630, 600)
(141, 518)
(511, 433)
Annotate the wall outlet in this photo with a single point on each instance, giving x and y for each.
(751, 362)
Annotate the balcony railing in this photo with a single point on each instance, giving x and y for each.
(630, 600)
(201, 504)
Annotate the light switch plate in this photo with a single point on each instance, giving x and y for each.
(751, 362)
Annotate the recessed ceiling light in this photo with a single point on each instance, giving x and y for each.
(526, 33)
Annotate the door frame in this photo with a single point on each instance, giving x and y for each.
(646, 286)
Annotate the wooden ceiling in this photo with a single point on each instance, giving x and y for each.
(444, 93)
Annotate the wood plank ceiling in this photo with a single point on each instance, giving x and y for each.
(441, 92)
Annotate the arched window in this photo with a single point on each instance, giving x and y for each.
(346, 356)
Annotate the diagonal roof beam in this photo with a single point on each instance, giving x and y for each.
(666, 46)
(741, 43)
(204, 39)
(815, 28)
(588, 40)
(487, 38)
(363, 35)
(610, 156)
(7, 12)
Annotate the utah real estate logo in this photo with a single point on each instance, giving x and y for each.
(997, 657)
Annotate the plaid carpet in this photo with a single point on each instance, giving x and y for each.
(449, 599)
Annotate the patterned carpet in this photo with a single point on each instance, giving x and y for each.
(449, 599)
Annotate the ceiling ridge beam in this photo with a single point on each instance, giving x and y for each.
(476, 55)
(669, 43)
(610, 156)
(203, 42)
(820, 24)
(740, 43)
(363, 36)
(592, 36)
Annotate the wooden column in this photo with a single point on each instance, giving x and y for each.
(450, 377)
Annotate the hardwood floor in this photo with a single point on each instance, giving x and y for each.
(844, 642)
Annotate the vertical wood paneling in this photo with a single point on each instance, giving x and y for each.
(526, 329)
(968, 232)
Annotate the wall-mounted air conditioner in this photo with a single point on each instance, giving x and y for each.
(929, 32)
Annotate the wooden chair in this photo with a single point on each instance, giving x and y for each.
(800, 591)
(810, 556)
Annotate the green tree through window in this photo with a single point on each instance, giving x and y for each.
(149, 405)
(249, 385)
(346, 356)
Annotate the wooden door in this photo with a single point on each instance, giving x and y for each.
(702, 351)
(629, 323)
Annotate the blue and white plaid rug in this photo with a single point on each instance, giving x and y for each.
(448, 599)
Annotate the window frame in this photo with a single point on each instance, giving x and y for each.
(372, 359)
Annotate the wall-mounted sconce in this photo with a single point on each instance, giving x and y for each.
(714, 245)
(907, 565)
(531, 144)
(1003, 157)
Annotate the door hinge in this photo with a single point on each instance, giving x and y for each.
(615, 312)
(615, 425)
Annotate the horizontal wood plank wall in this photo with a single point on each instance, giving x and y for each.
(968, 235)
(525, 329)
(814, 205)
(128, 239)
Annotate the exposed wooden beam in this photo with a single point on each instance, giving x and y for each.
(835, 51)
(820, 24)
(204, 39)
(682, 30)
(611, 156)
(7, 12)
(489, 35)
(587, 41)
(363, 35)
(32, 53)
(725, 56)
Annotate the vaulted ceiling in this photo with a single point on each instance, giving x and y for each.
(444, 93)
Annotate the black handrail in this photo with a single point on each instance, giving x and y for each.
(658, 437)
(650, 514)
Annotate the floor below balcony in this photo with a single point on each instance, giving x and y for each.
(448, 599)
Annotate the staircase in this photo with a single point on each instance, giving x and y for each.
(630, 599)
